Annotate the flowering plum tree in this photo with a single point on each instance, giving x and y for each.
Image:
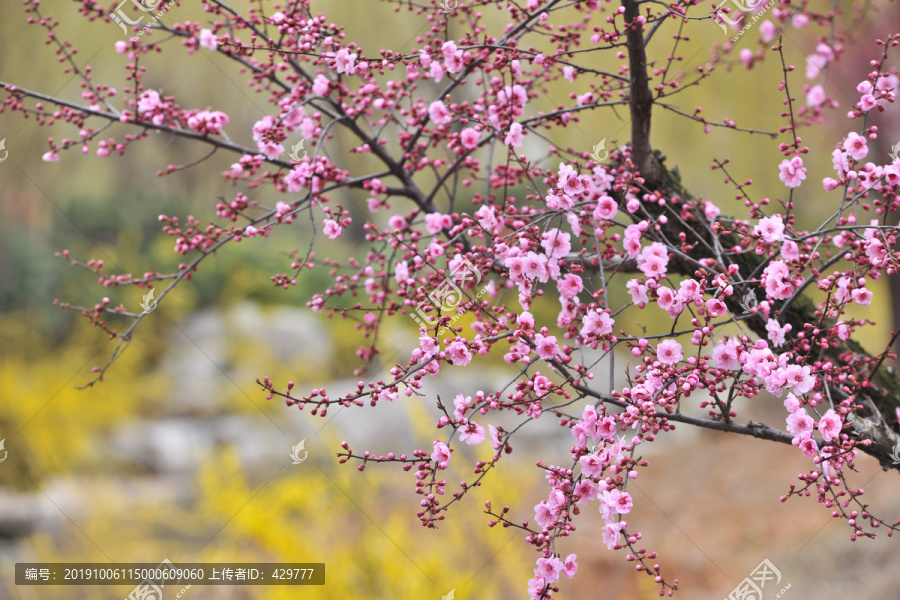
(461, 221)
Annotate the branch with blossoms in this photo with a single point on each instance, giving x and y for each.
(460, 221)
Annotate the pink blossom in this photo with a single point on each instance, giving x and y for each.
(514, 136)
(514, 96)
(715, 307)
(535, 266)
(206, 121)
(668, 352)
(771, 229)
(148, 102)
(746, 57)
(862, 296)
(815, 96)
(586, 491)
(320, 85)
(776, 278)
(689, 291)
(557, 202)
(549, 569)
(725, 355)
(569, 74)
(281, 211)
(856, 146)
(345, 62)
(435, 222)
(570, 566)
(495, 437)
(665, 298)
(461, 405)
(606, 428)
(825, 51)
(569, 286)
(453, 58)
(887, 83)
(808, 447)
(814, 65)
(800, 21)
(800, 378)
(597, 323)
(557, 500)
(543, 515)
(459, 354)
(767, 30)
(472, 433)
(439, 113)
(792, 172)
(790, 250)
(611, 534)
(799, 423)
(792, 403)
(536, 587)
(869, 174)
(441, 454)
(332, 229)
(638, 291)
(618, 501)
(776, 332)
(121, 47)
(50, 156)
(396, 222)
(841, 162)
(296, 179)
(651, 264)
(556, 243)
(591, 465)
(710, 211)
(867, 103)
(468, 137)
(546, 347)
(606, 208)
(208, 39)
(585, 99)
(830, 426)
(428, 345)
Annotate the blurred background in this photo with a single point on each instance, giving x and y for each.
(178, 454)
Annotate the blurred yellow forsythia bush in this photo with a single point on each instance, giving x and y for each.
(362, 525)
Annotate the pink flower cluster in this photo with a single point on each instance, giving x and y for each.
(208, 121)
